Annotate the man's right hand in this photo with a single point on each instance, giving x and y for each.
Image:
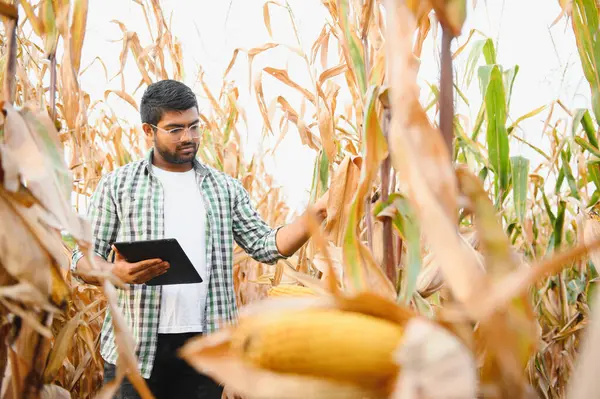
(138, 272)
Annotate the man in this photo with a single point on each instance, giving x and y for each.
(171, 193)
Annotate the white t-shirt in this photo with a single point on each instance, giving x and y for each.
(182, 305)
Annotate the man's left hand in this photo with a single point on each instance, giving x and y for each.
(320, 207)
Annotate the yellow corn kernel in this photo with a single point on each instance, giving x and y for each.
(328, 343)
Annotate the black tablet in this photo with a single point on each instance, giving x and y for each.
(181, 270)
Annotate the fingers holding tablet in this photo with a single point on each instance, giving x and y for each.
(147, 262)
(138, 272)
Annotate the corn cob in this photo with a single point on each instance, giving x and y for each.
(290, 290)
(334, 344)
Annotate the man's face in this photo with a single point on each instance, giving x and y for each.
(184, 150)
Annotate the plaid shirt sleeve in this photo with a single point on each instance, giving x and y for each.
(102, 214)
(251, 232)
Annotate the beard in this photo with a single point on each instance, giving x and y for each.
(175, 157)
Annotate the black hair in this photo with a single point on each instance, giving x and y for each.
(165, 95)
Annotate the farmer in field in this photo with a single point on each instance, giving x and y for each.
(171, 194)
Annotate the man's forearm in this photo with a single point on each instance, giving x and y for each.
(84, 266)
(291, 237)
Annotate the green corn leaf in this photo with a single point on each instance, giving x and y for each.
(593, 170)
(520, 172)
(489, 52)
(436, 97)
(497, 136)
(467, 144)
(593, 199)
(323, 173)
(407, 224)
(483, 173)
(526, 116)
(485, 72)
(354, 47)
(569, 175)
(471, 64)
(559, 180)
(374, 152)
(584, 19)
(229, 125)
(587, 146)
(548, 208)
(423, 306)
(478, 122)
(461, 94)
(559, 222)
(583, 117)
(314, 185)
(509, 81)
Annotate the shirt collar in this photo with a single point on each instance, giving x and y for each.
(199, 167)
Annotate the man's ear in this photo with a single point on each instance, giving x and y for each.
(148, 130)
(148, 135)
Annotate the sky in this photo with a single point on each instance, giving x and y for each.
(210, 31)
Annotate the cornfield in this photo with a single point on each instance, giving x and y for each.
(447, 267)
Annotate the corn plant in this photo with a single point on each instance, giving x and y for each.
(527, 337)
(441, 251)
(51, 332)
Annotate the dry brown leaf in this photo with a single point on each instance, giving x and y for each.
(213, 101)
(376, 279)
(54, 392)
(124, 96)
(231, 155)
(318, 286)
(424, 27)
(31, 266)
(28, 317)
(35, 21)
(306, 135)
(28, 295)
(19, 141)
(251, 54)
(63, 342)
(332, 72)
(283, 76)
(80, 11)
(451, 14)
(326, 128)
(365, 17)
(344, 184)
(317, 44)
(260, 99)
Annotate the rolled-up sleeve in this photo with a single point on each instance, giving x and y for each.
(251, 232)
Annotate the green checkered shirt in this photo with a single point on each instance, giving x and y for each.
(128, 205)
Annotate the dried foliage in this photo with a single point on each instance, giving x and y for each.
(465, 267)
(51, 321)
